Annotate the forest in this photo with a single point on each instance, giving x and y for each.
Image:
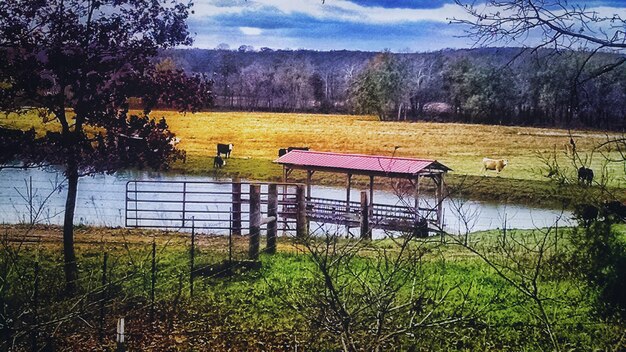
(505, 86)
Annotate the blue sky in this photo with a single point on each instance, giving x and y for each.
(370, 25)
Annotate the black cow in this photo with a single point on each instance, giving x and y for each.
(614, 210)
(225, 149)
(284, 151)
(218, 162)
(585, 176)
(586, 213)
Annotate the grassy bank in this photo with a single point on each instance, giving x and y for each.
(258, 309)
(258, 136)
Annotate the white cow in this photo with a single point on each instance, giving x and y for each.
(494, 164)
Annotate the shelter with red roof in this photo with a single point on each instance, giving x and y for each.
(372, 166)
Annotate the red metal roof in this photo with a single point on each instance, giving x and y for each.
(359, 163)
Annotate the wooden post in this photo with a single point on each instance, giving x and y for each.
(230, 241)
(348, 188)
(192, 255)
(372, 190)
(272, 210)
(184, 201)
(439, 199)
(366, 232)
(255, 222)
(416, 195)
(103, 298)
(35, 321)
(309, 178)
(301, 221)
(119, 339)
(152, 282)
(236, 206)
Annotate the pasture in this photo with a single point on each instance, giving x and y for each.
(257, 309)
(257, 137)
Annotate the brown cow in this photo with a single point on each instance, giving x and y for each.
(494, 164)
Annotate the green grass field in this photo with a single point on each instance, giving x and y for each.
(258, 136)
(254, 310)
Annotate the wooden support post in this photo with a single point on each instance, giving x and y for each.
(366, 231)
(272, 210)
(255, 222)
(301, 220)
(348, 188)
(440, 200)
(416, 195)
(184, 202)
(371, 214)
(236, 207)
(372, 190)
(309, 177)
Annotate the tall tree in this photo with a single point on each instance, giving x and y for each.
(381, 87)
(79, 62)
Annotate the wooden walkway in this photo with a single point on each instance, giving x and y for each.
(380, 216)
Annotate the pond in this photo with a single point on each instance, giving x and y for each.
(40, 194)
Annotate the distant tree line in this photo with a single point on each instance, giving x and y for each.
(509, 86)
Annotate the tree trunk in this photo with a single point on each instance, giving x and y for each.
(70, 267)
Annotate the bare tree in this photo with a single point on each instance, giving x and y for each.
(547, 23)
(374, 297)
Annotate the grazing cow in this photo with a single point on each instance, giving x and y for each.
(494, 164)
(225, 149)
(585, 176)
(586, 213)
(614, 210)
(218, 162)
(284, 151)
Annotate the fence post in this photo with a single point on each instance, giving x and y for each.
(153, 281)
(255, 222)
(301, 223)
(192, 255)
(33, 335)
(230, 240)
(366, 232)
(236, 207)
(119, 339)
(184, 201)
(272, 210)
(103, 297)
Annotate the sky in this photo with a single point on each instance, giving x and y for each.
(367, 25)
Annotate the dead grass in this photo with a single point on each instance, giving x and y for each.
(258, 136)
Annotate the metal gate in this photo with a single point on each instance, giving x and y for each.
(218, 207)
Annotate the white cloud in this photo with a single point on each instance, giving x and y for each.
(347, 11)
(341, 10)
(250, 30)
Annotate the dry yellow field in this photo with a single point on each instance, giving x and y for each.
(258, 136)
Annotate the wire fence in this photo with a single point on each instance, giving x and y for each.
(111, 284)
